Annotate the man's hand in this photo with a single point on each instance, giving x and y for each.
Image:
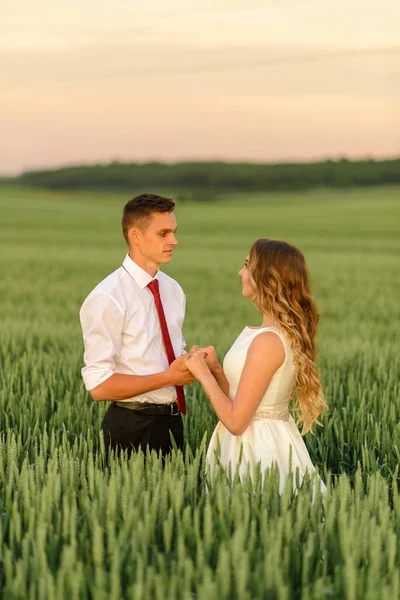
(179, 372)
(209, 355)
(193, 350)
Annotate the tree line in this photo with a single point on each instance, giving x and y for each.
(217, 176)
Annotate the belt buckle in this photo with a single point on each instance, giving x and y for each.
(174, 414)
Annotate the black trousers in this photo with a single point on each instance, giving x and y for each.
(150, 427)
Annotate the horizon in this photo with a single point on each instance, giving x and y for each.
(172, 163)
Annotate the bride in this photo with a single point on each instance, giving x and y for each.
(264, 368)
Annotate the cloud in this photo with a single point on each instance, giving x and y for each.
(165, 69)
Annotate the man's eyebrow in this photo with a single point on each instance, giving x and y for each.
(167, 230)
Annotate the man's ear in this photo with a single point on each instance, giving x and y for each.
(133, 236)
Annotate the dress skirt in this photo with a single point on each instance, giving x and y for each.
(266, 442)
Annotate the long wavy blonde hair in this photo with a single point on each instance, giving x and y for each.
(281, 282)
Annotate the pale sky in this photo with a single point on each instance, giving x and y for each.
(223, 79)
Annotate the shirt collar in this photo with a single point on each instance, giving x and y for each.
(137, 273)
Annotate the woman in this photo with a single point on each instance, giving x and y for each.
(264, 367)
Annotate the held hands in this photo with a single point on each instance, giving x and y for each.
(210, 356)
(179, 371)
(197, 363)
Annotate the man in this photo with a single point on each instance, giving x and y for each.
(132, 330)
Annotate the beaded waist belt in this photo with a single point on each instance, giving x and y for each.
(277, 415)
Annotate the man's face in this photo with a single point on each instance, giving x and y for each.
(157, 241)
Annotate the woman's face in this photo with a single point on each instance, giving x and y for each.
(247, 290)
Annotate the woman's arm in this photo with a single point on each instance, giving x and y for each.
(221, 379)
(265, 355)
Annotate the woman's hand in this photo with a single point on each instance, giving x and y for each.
(209, 355)
(196, 363)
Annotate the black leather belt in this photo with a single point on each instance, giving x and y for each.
(150, 409)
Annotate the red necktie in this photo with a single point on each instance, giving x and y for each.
(155, 290)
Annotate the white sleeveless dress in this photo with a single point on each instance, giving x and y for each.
(272, 436)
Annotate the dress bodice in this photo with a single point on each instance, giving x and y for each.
(277, 396)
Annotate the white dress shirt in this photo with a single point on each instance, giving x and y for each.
(121, 329)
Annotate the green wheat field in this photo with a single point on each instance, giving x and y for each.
(73, 526)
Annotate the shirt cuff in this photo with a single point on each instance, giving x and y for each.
(92, 376)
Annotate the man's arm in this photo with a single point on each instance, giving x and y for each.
(120, 387)
(102, 322)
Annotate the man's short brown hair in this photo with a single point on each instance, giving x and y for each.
(137, 211)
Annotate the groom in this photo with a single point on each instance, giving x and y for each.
(132, 331)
